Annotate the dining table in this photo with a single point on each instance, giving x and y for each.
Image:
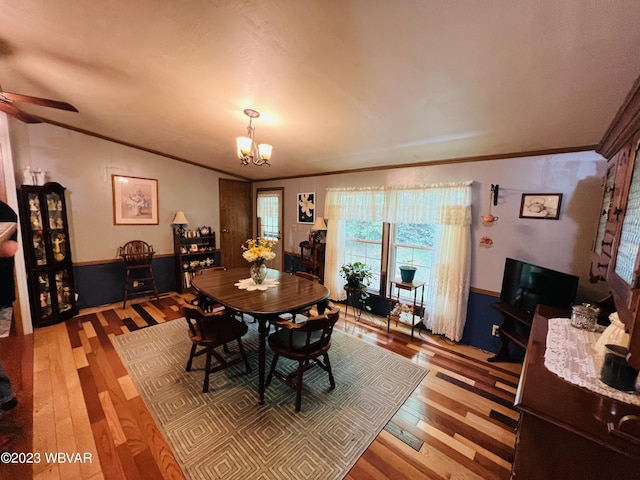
(282, 293)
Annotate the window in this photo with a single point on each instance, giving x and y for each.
(363, 243)
(429, 223)
(268, 214)
(409, 243)
(412, 244)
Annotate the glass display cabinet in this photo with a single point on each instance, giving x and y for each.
(45, 234)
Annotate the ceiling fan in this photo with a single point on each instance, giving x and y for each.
(7, 105)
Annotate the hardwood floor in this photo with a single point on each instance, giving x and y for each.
(459, 423)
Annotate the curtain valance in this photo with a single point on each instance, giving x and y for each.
(444, 204)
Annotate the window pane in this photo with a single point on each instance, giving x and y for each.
(411, 244)
(268, 209)
(364, 230)
(363, 243)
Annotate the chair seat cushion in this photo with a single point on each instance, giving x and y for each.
(214, 335)
(299, 340)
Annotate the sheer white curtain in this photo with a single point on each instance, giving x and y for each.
(343, 204)
(268, 204)
(447, 206)
(449, 282)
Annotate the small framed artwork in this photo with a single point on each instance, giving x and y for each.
(135, 200)
(306, 207)
(541, 205)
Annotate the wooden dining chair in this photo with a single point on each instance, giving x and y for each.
(137, 256)
(308, 276)
(305, 343)
(204, 302)
(301, 315)
(210, 331)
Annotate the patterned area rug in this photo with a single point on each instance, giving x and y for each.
(226, 434)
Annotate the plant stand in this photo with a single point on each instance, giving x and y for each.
(411, 287)
(354, 298)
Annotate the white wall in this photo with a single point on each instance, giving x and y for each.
(84, 165)
(562, 244)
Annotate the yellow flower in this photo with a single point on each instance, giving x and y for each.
(258, 250)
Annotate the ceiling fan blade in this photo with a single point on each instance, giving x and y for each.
(45, 102)
(19, 114)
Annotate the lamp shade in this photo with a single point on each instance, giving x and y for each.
(319, 224)
(244, 146)
(180, 219)
(265, 151)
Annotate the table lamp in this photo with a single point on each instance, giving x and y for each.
(318, 226)
(179, 221)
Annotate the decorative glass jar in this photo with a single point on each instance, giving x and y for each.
(584, 316)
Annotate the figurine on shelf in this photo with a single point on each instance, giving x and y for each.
(58, 253)
(66, 295)
(39, 176)
(27, 176)
(401, 308)
(36, 224)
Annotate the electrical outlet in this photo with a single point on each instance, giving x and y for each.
(494, 330)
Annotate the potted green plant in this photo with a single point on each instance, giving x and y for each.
(408, 271)
(357, 274)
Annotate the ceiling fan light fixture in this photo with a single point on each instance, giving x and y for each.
(248, 150)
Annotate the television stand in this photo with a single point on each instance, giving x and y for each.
(515, 328)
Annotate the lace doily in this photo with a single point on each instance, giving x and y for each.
(247, 284)
(571, 356)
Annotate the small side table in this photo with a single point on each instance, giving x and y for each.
(411, 287)
(354, 298)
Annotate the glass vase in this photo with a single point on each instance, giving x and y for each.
(258, 272)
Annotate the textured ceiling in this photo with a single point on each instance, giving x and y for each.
(340, 85)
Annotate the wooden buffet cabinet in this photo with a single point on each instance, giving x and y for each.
(566, 431)
(616, 251)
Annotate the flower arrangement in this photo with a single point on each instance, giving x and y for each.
(257, 250)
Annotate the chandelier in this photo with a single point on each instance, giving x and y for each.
(248, 149)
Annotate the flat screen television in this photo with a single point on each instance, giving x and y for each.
(525, 285)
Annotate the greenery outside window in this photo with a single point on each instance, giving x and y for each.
(363, 243)
(411, 244)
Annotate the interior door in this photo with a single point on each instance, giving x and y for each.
(270, 218)
(235, 221)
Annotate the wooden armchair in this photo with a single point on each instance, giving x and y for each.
(210, 331)
(304, 343)
(301, 315)
(205, 303)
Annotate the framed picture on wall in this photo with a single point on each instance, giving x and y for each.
(135, 200)
(541, 205)
(306, 207)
